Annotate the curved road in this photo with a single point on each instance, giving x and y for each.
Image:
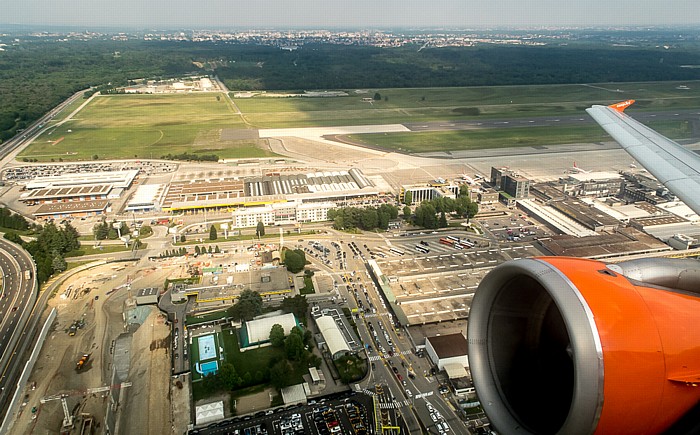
(18, 297)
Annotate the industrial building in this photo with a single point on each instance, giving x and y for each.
(146, 296)
(447, 349)
(118, 179)
(427, 192)
(72, 209)
(508, 182)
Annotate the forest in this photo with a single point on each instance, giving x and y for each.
(36, 75)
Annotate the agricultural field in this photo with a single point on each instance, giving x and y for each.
(444, 104)
(146, 126)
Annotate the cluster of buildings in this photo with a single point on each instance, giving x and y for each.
(189, 84)
(76, 194)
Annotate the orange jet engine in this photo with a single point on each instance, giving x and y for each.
(563, 345)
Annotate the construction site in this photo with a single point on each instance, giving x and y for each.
(103, 359)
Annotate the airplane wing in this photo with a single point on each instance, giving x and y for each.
(674, 166)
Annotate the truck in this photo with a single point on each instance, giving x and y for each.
(27, 274)
(82, 361)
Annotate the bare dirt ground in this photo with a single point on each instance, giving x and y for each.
(180, 398)
(55, 371)
(147, 408)
(254, 402)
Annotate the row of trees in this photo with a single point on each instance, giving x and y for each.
(189, 157)
(432, 214)
(107, 231)
(49, 248)
(40, 73)
(12, 220)
(370, 218)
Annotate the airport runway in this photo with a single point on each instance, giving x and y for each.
(543, 121)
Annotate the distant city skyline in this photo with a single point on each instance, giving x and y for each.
(332, 14)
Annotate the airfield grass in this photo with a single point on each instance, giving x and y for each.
(421, 142)
(153, 126)
(430, 104)
(147, 126)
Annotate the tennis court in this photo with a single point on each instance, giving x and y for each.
(207, 347)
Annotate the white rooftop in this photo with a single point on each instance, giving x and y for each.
(332, 335)
(209, 412)
(259, 329)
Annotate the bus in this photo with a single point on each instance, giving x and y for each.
(423, 249)
(447, 242)
(396, 251)
(453, 238)
(466, 243)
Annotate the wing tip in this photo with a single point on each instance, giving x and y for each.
(621, 106)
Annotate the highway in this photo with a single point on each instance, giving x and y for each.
(35, 129)
(16, 304)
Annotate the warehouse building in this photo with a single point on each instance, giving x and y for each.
(447, 349)
(147, 296)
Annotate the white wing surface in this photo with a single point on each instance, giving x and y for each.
(674, 166)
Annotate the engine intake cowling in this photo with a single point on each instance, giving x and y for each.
(571, 346)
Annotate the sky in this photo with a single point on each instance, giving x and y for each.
(364, 14)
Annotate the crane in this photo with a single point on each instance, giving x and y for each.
(67, 416)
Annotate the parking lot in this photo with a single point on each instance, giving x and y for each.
(349, 413)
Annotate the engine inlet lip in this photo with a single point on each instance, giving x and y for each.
(587, 401)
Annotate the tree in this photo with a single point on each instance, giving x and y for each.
(217, 250)
(463, 190)
(294, 260)
(294, 347)
(249, 305)
(212, 233)
(183, 239)
(277, 335)
(407, 197)
(472, 210)
(377, 96)
(443, 220)
(280, 374)
(406, 212)
(260, 229)
(228, 377)
(298, 305)
(59, 263)
(197, 251)
(145, 231)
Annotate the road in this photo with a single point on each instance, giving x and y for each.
(15, 145)
(16, 304)
(391, 352)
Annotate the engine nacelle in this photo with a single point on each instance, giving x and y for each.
(571, 346)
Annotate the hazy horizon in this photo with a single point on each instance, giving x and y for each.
(359, 14)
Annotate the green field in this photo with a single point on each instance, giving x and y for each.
(432, 104)
(152, 126)
(147, 126)
(421, 142)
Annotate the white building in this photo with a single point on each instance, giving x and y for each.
(447, 349)
(259, 329)
(334, 339)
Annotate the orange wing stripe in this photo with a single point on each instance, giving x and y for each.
(620, 107)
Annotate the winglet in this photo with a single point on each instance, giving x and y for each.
(620, 107)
